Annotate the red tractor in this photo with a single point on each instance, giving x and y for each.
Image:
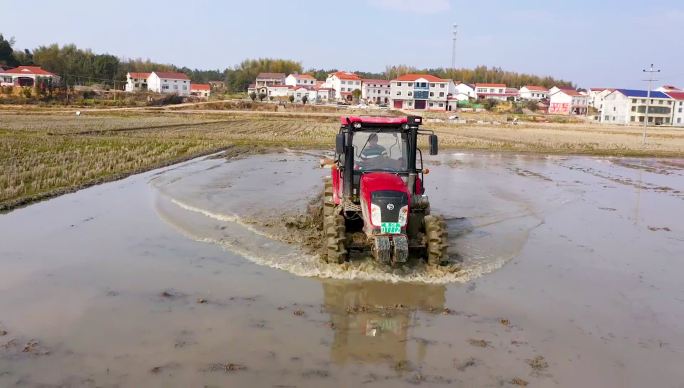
(375, 195)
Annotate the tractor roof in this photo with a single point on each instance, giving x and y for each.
(380, 121)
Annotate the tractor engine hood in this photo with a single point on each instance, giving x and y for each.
(388, 192)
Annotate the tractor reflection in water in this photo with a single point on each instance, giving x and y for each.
(371, 321)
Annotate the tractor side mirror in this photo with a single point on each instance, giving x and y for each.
(434, 144)
(339, 143)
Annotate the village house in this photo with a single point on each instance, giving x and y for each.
(300, 80)
(25, 76)
(136, 82)
(200, 90)
(376, 91)
(669, 88)
(344, 83)
(323, 94)
(568, 102)
(596, 96)
(270, 79)
(169, 82)
(278, 91)
(628, 106)
(463, 92)
(677, 108)
(486, 91)
(420, 92)
(532, 92)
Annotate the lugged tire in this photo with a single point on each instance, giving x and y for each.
(328, 204)
(437, 239)
(335, 250)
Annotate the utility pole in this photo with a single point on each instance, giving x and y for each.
(453, 49)
(650, 81)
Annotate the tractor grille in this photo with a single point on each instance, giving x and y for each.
(351, 207)
(389, 202)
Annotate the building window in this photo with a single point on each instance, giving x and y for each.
(631, 118)
(398, 83)
(410, 94)
(441, 86)
(634, 101)
(633, 109)
(432, 94)
(175, 87)
(441, 105)
(679, 120)
(432, 85)
(399, 93)
(441, 94)
(185, 87)
(410, 84)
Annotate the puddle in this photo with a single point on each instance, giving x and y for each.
(226, 203)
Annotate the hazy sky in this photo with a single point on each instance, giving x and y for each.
(594, 43)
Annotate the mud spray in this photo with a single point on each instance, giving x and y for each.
(231, 204)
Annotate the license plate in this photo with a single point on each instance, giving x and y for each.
(390, 227)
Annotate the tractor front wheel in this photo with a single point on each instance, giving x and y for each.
(335, 250)
(437, 239)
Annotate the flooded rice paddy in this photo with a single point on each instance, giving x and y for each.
(566, 271)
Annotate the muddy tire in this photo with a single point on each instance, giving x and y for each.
(437, 240)
(328, 204)
(335, 249)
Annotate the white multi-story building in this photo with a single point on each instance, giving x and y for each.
(344, 83)
(464, 92)
(421, 92)
(628, 106)
(25, 76)
(169, 82)
(486, 91)
(269, 79)
(568, 102)
(300, 80)
(596, 96)
(376, 91)
(677, 108)
(532, 92)
(136, 82)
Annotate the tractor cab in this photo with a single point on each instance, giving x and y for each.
(375, 193)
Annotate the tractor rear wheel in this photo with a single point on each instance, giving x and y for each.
(437, 239)
(335, 250)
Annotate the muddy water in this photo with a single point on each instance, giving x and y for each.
(570, 275)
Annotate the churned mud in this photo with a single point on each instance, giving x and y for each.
(565, 271)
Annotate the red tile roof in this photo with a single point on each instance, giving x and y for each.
(413, 77)
(490, 85)
(676, 95)
(32, 70)
(599, 89)
(171, 75)
(303, 76)
(671, 87)
(571, 92)
(139, 75)
(345, 75)
(200, 87)
(375, 81)
(536, 88)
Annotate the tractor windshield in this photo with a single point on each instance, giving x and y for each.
(380, 151)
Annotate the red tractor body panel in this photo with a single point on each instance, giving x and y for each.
(378, 181)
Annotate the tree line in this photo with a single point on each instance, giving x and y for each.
(82, 66)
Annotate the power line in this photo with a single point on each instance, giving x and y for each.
(650, 81)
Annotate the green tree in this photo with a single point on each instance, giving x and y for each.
(305, 99)
(291, 98)
(356, 93)
(6, 52)
(262, 96)
(253, 96)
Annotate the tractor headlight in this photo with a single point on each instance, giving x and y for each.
(403, 215)
(376, 218)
